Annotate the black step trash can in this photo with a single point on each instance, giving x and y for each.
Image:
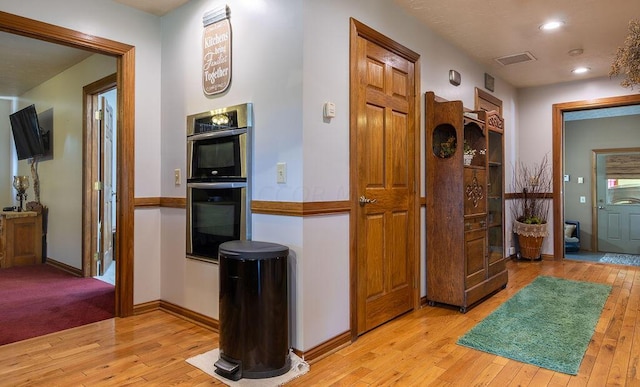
(254, 310)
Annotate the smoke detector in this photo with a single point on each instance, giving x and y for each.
(575, 52)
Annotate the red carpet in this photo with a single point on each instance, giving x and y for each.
(36, 300)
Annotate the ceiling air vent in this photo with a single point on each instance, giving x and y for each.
(515, 58)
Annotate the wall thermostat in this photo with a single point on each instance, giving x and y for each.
(329, 110)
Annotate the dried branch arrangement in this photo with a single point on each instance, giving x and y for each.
(627, 60)
(534, 183)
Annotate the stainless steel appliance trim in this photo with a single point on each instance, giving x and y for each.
(245, 116)
(220, 185)
(216, 134)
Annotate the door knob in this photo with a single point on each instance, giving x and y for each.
(364, 200)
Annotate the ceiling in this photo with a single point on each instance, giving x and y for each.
(155, 7)
(485, 30)
(31, 62)
(489, 29)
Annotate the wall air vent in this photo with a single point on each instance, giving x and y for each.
(515, 58)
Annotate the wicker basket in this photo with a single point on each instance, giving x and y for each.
(530, 238)
(530, 246)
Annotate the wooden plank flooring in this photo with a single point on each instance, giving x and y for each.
(417, 349)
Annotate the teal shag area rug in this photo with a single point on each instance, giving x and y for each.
(621, 259)
(548, 323)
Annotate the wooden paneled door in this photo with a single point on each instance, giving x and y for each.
(384, 179)
(98, 227)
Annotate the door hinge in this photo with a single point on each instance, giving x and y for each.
(97, 186)
(98, 115)
(96, 256)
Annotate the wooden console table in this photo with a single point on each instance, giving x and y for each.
(20, 238)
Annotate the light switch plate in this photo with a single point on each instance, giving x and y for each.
(281, 173)
(329, 110)
(176, 177)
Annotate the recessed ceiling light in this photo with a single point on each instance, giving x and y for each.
(552, 25)
(580, 70)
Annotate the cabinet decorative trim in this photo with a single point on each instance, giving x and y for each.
(475, 192)
(496, 122)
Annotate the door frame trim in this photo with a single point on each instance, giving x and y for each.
(558, 155)
(358, 29)
(125, 56)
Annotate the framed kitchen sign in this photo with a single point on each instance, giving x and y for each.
(216, 51)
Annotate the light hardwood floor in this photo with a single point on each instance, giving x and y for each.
(417, 349)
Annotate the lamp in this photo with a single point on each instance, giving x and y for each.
(21, 183)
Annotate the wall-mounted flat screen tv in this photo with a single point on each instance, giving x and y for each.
(26, 133)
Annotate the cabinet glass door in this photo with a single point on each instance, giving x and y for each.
(495, 193)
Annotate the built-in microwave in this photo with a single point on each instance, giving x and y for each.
(221, 156)
(218, 144)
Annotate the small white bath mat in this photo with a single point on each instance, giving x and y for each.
(206, 360)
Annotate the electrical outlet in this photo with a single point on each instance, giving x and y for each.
(281, 173)
(176, 176)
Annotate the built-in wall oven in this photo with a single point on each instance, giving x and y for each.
(218, 179)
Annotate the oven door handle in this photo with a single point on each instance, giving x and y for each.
(219, 185)
(216, 134)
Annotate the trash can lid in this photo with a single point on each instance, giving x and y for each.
(252, 250)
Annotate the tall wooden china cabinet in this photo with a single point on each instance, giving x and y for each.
(465, 203)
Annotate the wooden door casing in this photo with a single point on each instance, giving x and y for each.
(384, 154)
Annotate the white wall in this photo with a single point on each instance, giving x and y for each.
(7, 152)
(108, 19)
(289, 57)
(326, 144)
(266, 70)
(534, 134)
(61, 177)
